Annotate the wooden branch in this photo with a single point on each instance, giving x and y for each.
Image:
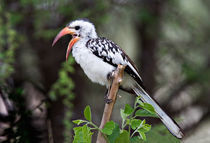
(112, 94)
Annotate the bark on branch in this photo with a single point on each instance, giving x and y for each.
(112, 94)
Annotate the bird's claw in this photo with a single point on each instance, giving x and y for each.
(107, 100)
(110, 75)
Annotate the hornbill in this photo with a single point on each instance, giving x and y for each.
(99, 57)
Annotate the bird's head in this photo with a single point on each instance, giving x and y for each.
(79, 29)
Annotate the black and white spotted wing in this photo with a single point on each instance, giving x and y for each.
(114, 55)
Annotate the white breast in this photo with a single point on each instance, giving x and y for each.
(95, 68)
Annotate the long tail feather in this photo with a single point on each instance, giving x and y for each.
(169, 123)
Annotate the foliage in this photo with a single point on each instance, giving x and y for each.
(159, 134)
(20, 129)
(112, 132)
(63, 87)
(182, 56)
(34, 22)
(8, 44)
(67, 11)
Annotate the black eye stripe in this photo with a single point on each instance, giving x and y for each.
(77, 27)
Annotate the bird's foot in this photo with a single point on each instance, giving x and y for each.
(110, 75)
(107, 100)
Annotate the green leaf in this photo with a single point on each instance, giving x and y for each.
(145, 128)
(128, 109)
(115, 134)
(128, 121)
(77, 129)
(87, 113)
(143, 122)
(78, 134)
(145, 113)
(160, 134)
(124, 137)
(138, 100)
(87, 133)
(143, 136)
(123, 115)
(82, 134)
(108, 128)
(148, 107)
(136, 139)
(135, 123)
(78, 122)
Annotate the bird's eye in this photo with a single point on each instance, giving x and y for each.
(77, 27)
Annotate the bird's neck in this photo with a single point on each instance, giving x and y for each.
(94, 35)
(91, 34)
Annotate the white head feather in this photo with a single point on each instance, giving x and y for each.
(86, 28)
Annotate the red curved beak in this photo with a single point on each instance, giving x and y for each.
(64, 32)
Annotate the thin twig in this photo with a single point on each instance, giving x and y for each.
(112, 94)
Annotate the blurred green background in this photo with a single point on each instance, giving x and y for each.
(40, 93)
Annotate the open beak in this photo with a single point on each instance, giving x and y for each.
(64, 32)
